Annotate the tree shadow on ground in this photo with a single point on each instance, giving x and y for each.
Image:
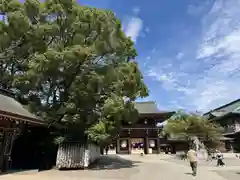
(111, 162)
(19, 171)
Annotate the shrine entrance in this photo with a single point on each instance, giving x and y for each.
(137, 145)
(142, 136)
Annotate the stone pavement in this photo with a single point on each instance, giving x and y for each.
(131, 167)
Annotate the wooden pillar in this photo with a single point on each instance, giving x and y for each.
(2, 158)
(129, 146)
(117, 145)
(146, 144)
(129, 142)
(158, 145)
(5, 147)
(8, 140)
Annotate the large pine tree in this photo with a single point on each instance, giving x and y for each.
(71, 64)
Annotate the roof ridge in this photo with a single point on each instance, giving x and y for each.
(11, 106)
(145, 102)
(222, 106)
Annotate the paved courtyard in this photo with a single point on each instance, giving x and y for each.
(135, 167)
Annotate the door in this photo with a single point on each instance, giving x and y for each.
(137, 145)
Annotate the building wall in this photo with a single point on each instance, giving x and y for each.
(140, 137)
(237, 124)
(230, 123)
(146, 132)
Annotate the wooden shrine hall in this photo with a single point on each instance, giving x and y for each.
(13, 117)
(144, 136)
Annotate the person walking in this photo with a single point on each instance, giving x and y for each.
(106, 149)
(219, 157)
(192, 157)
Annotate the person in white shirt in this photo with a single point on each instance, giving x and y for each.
(219, 157)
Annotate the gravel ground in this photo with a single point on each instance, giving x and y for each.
(114, 167)
(229, 175)
(227, 161)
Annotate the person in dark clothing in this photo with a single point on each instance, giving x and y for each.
(106, 150)
(219, 157)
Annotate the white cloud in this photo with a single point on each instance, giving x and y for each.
(136, 10)
(147, 29)
(148, 58)
(197, 9)
(220, 49)
(168, 80)
(153, 50)
(211, 76)
(133, 27)
(179, 55)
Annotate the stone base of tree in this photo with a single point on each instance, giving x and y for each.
(76, 155)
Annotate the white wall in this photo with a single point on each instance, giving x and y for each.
(91, 154)
(75, 155)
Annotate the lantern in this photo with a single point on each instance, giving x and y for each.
(124, 144)
(152, 143)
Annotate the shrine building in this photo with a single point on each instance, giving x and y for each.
(13, 118)
(144, 135)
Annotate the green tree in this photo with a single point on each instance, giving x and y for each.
(71, 64)
(193, 127)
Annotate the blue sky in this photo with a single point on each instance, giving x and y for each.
(189, 50)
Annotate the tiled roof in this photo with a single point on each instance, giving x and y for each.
(8, 105)
(233, 106)
(148, 107)
(218, 114)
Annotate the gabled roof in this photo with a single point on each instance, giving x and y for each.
(218, 117)
(232, 107)
(11, 108)
(150, 108)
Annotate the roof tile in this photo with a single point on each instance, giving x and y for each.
(10, 105)
(148, 107)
